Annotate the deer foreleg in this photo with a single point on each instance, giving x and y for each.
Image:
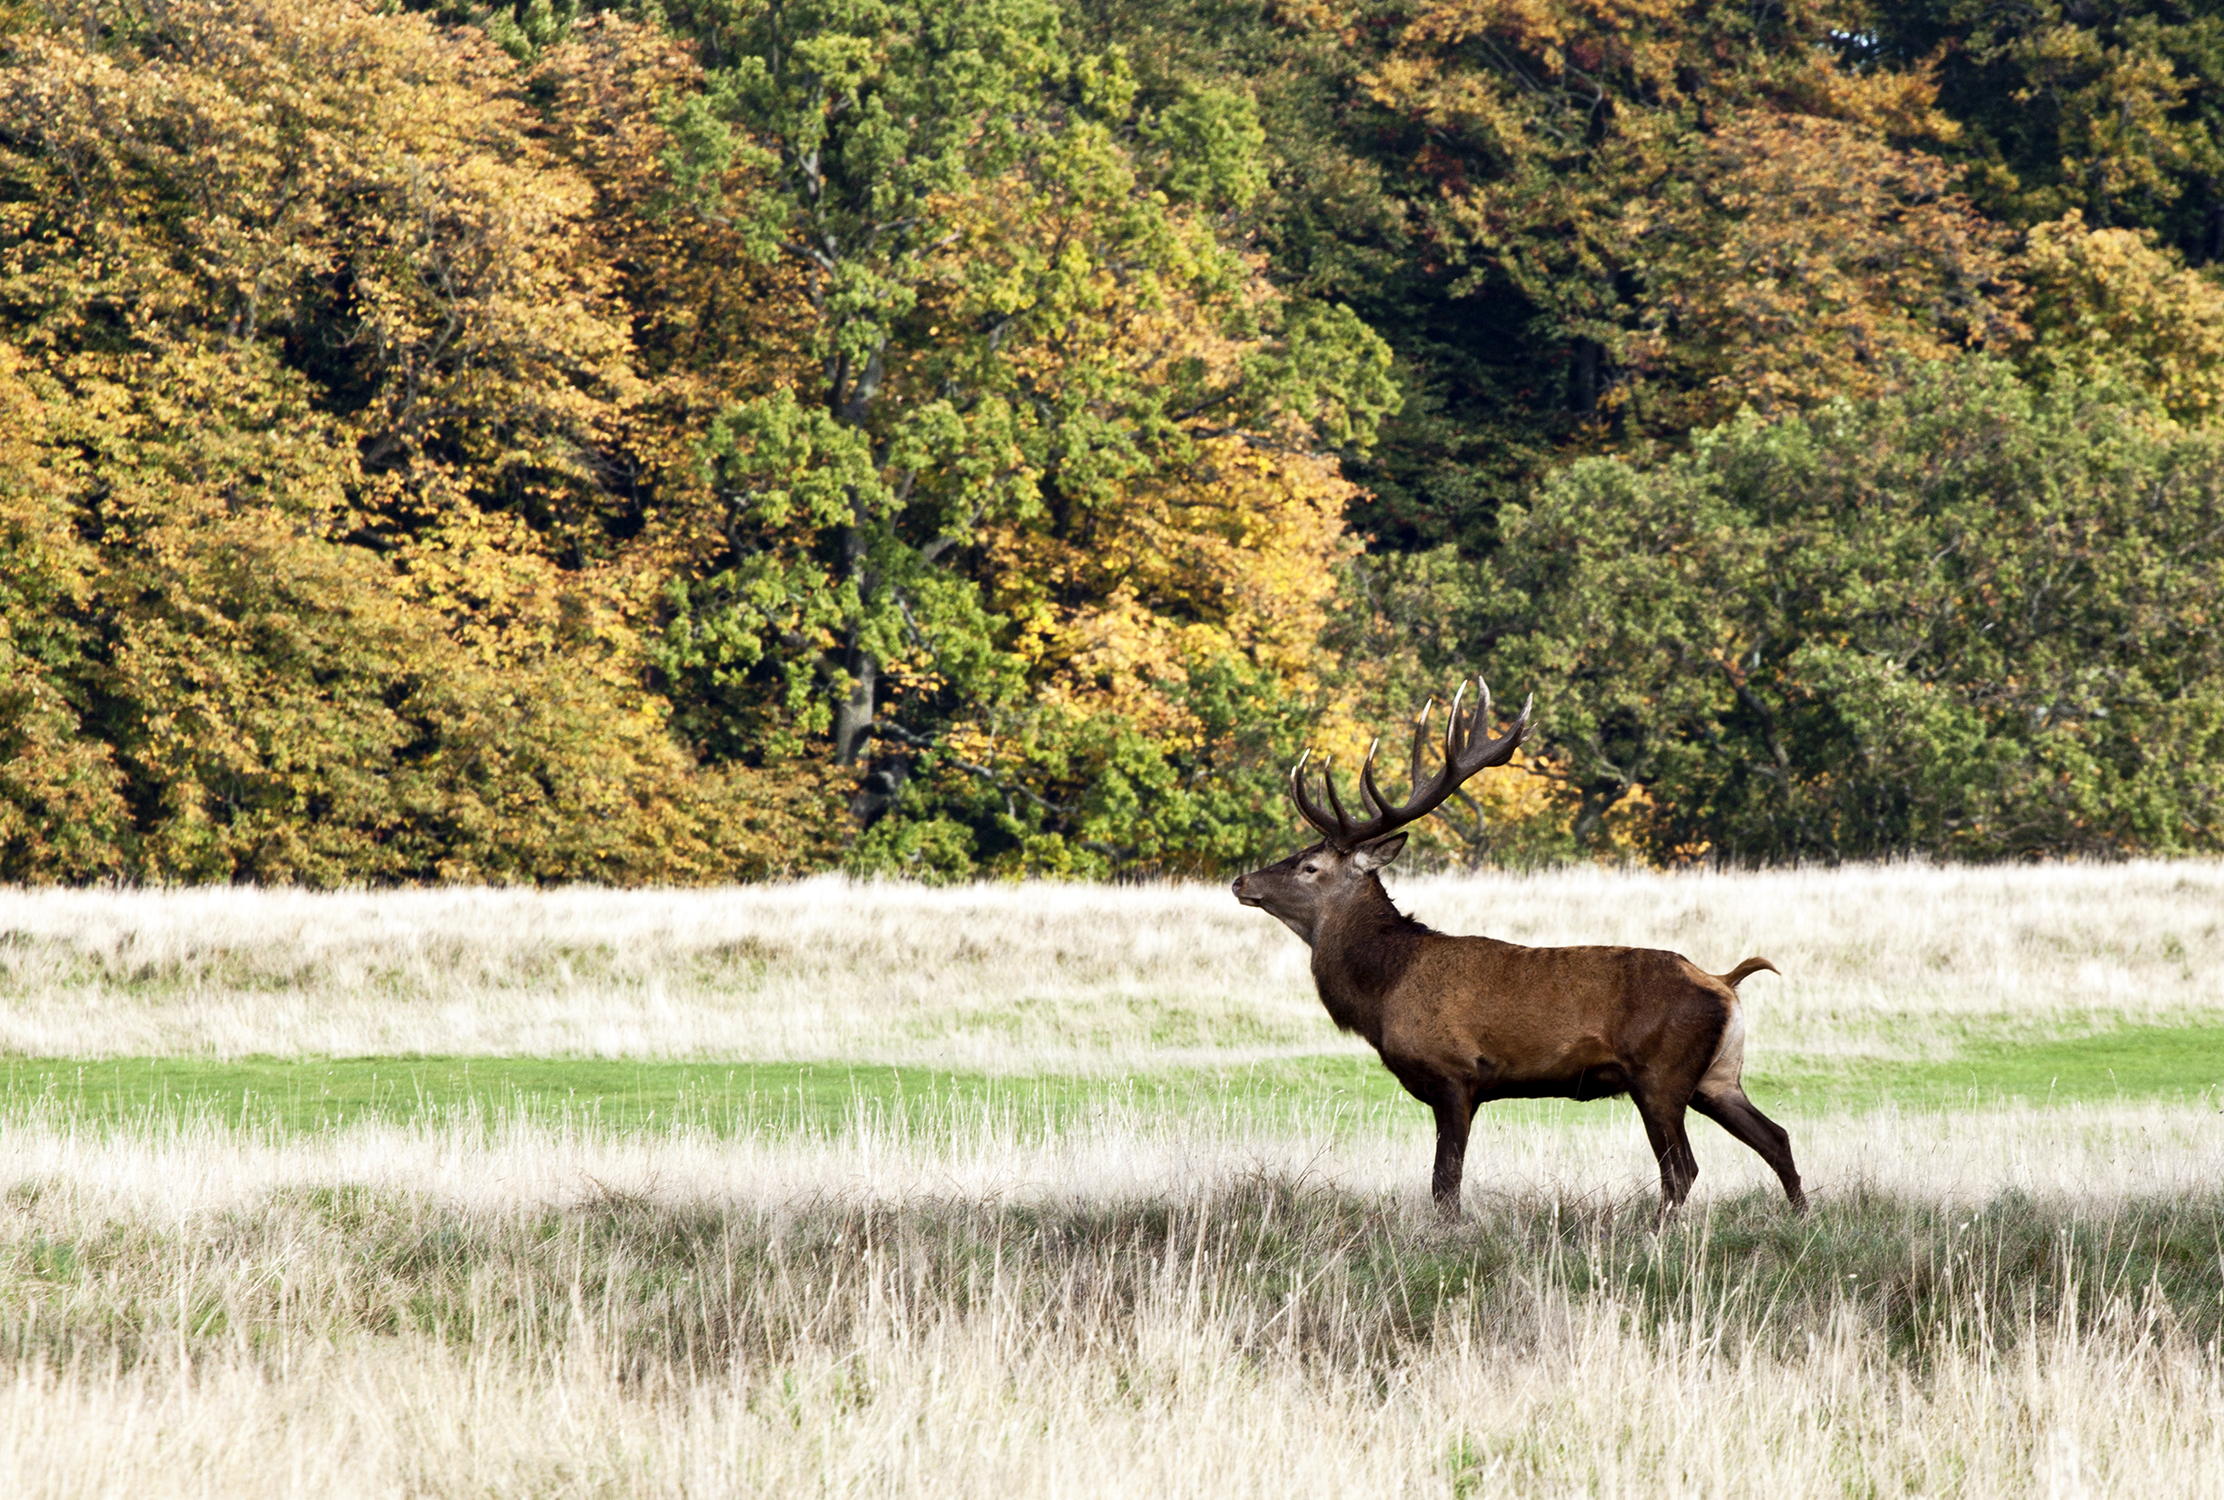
(1453, 1102)
(1454, 1120)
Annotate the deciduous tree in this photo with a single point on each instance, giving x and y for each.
(1964, 620)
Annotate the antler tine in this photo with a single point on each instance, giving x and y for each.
(1454, 737)
(1477, 727)
(1420, 743)
(1306, 807)
(1343, 819)
(1498, 751)
(1370, 795)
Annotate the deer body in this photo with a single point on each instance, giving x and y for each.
(1460, 1021)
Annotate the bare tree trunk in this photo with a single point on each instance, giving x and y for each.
(1583, 378)
(1590, 815)
(853, 715)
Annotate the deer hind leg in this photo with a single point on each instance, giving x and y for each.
(1730, 1109)
(1671, 1148)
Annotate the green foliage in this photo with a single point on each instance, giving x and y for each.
(1210, 148)
(527, 28)
(1095, 794)
(1968, 621)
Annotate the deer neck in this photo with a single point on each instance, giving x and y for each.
(1360, 951)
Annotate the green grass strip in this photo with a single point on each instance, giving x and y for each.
(296, 1094)
(2169, 1063)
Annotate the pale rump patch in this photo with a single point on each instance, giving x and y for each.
(1722, 1074)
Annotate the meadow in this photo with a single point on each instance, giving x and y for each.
(833, 1188)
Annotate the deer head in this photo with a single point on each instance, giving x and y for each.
(1322, 877)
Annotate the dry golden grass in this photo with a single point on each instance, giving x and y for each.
(1980, 1305)
(1165, 1395)
(1892, 962)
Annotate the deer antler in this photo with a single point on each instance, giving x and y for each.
(1466, 751)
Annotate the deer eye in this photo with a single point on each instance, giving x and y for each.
(1309, 869)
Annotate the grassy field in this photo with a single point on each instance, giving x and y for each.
(861, 1190)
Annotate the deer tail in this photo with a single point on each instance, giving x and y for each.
(1750, 966)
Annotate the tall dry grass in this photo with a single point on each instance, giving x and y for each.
(1881, 961)
(1982, 1306)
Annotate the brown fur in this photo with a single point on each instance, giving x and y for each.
(1464, 1020)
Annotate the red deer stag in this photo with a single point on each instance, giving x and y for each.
(1462, 1020)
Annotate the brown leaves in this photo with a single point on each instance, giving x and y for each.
(1702, 208)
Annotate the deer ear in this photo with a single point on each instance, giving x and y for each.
(1376, 853)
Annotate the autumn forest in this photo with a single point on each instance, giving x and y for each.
(721, 439)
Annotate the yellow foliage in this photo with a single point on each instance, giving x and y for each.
(61, 809)
(1228, 552)
(192, 214)
(2112, 301)
(1233, 557)
(367, 184)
